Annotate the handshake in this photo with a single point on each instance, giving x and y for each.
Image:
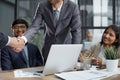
(16, 43)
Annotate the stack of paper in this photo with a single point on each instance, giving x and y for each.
(86, 74)
(20, 73)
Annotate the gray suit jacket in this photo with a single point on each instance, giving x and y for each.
(68, 30)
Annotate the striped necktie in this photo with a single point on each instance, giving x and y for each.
(56, 16)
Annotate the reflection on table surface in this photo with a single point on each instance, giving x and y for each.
(9, 75)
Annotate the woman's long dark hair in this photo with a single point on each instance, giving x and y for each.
(116, 29)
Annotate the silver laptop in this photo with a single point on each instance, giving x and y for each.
(62, 57)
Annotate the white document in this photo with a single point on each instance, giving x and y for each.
(86, 74)
(20, 73)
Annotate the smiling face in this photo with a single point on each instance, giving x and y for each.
(109, 37)
(18, 29)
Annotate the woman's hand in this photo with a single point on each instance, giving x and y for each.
(97, 61)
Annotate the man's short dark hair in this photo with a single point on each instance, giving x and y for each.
(20, 21)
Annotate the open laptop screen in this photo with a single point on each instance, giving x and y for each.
(62, 57)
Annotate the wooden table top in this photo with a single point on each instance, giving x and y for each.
(9, 75)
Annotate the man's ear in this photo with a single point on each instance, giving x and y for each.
(12, 31)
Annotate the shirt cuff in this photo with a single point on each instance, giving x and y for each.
(24, 38)
(8, 41)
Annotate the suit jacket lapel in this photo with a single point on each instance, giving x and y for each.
(62, 13)
(63, 9)
(49, 16)
(22, 57)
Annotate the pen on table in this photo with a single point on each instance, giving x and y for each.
(37, 74)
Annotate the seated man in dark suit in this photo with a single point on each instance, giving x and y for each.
(29, 57)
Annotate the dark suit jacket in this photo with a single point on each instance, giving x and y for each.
(13, 60)
(67, 31)
(3, 40)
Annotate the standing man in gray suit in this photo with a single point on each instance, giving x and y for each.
(67, 29)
